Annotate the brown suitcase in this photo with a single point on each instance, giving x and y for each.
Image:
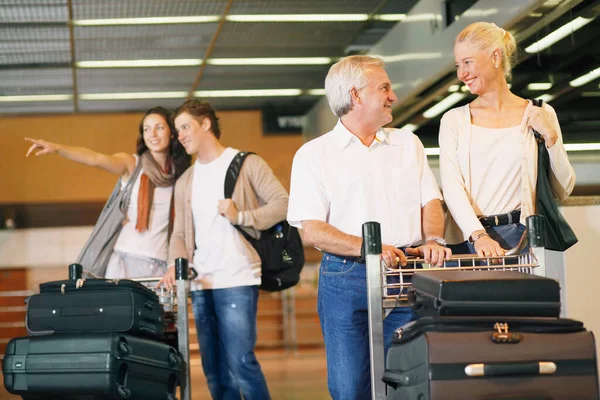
(459, 358)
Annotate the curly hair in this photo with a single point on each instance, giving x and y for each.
(181, 160)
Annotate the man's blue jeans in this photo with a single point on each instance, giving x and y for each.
(342, 306)
(226, 328)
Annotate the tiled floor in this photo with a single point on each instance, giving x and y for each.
(301, 377)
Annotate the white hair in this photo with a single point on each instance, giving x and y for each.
(350, 72)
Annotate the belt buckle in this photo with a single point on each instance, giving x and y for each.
(496, 220)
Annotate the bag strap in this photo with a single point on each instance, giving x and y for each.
(129, 186)
(538, 136)
(231, 177)
(233, 172)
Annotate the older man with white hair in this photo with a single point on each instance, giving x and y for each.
(361, 172)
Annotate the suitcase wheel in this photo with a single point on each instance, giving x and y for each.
(123, 392)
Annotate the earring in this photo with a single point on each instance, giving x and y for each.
(496, 65)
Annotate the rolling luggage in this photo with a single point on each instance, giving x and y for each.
(95, 305)
(91, 367)
(480, 358)
(484, 293)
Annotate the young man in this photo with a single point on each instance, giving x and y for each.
(356, 173)
(225, 294)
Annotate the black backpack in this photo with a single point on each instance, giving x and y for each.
(279, 247)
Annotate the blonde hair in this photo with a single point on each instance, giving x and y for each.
(489, 37)
(345, 74)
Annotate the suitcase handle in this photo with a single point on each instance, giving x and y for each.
(503, 369)
(394, 379)
(80, 311)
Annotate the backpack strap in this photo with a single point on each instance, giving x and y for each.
(233, 172)
(231, 177)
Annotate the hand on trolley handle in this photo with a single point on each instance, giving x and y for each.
(169, 280)
(432, 254)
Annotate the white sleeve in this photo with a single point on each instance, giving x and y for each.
(429, 186)
(453, 183)
(562, 178)
(308, 198)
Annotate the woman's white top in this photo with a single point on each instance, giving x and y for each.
(153, 242)
(496, 182)
(457, 168)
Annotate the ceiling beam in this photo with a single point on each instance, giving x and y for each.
(209, 51)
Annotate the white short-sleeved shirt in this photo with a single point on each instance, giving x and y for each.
(338, 180)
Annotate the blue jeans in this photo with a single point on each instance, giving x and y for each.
(342, 307)
(507, 236)
(226, 328)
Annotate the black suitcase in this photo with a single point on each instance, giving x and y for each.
(479, 358)
(91, 367)
(484, 293)
(97, 305)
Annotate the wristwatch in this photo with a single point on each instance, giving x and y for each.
(437, 239)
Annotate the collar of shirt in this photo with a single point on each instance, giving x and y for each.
(343, 137)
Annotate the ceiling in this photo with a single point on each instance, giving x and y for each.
(44, 46)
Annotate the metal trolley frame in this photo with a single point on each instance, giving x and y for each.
(176, 302)
(381, 302)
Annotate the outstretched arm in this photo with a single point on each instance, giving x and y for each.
(119, 163)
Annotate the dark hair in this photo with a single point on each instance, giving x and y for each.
(200, 109)
(181, 160)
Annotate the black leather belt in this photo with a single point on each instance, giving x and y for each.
(500, 219)
(360, 260)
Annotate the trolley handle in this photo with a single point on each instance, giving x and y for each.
(192, 274)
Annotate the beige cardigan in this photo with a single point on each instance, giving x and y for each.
(258, 194)
(455, 171)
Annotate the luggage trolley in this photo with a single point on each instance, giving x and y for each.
(381, 302)
(175, 304)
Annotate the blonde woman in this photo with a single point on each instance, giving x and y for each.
(488, 153)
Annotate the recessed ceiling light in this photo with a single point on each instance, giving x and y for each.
(36, 97)
(546, 97)
(582, 146)
(316, 92)
(199, 19)
(410, 57)
(249, 93)
(410, 127)
(443, 105)
(453, 88)
(390, 17)
(587, 78)
(539, 86)
(189, 62)
(147, 21)
(133, 96)
(298, 18)
(271, 61)
(558, 34)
